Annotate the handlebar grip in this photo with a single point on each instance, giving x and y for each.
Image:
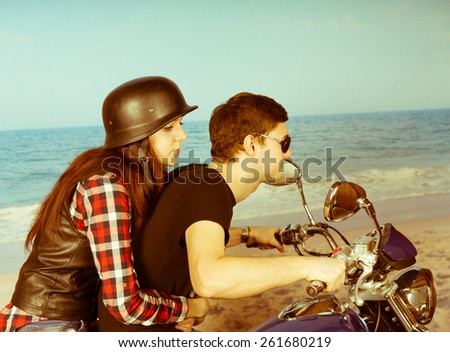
(278, 237)
(315, 287)
(253, 245)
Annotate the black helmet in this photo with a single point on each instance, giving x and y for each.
(139, 108)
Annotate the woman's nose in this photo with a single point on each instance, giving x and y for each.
(181, 135)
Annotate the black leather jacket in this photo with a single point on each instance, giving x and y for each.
(59, 279)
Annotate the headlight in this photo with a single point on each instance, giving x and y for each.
(416, 290)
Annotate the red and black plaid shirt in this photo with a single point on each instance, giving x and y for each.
(100, 209)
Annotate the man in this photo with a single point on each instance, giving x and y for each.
(182, 249)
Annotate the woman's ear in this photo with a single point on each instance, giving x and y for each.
(249, 144)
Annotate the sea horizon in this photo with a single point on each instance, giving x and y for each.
(99, 124)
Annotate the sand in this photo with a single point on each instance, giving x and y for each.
(424, 220)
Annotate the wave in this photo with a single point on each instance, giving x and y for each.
(15, 222)
(403, 174)
(380, 184)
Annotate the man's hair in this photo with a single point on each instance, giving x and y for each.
(241, 115)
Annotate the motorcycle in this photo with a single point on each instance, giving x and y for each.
(385, 292)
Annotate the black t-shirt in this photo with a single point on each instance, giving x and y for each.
(196, 193)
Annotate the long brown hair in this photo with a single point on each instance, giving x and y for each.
(143, 181)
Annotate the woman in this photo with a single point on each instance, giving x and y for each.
(82, 234)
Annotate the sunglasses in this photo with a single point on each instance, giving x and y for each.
(285, 142)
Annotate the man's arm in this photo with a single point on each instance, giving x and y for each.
(214, 275)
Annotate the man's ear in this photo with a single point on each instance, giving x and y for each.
(249, 144)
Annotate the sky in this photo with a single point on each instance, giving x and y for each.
(59, 59)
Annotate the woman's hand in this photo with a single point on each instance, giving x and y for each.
(198, 308)
(186, 325)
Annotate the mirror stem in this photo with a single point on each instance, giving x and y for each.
(368, 206)
(305, 205)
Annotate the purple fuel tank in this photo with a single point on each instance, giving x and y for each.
(323, 313)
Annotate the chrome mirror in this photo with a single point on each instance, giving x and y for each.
(343, 200)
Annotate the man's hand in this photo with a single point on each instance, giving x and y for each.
(264, 238)
(331, 271)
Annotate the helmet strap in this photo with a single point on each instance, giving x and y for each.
(140, 150)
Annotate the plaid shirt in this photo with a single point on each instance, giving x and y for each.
(100, 209)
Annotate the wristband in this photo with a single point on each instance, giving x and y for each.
(245, 234)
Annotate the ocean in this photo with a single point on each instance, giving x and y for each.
(391, 154)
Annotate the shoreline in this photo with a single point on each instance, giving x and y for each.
(424, 220)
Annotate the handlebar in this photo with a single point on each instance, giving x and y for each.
(297, 235)
(291, 235)
(315, 287)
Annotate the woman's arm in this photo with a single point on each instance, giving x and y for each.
(104, 206)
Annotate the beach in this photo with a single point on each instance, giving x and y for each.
(424, 220)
